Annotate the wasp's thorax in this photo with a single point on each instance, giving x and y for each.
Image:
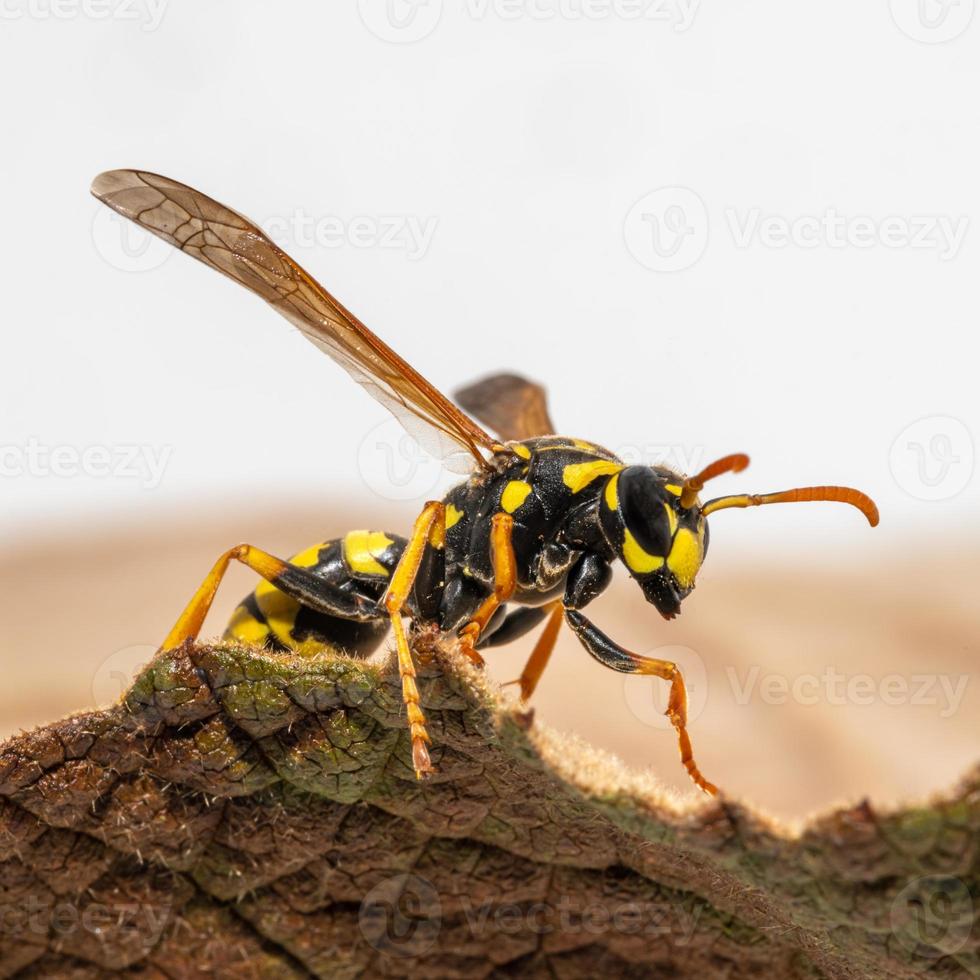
(661, 541)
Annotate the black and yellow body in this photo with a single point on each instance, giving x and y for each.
(530, 536)
(567, 506)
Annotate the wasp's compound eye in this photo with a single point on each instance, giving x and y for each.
(644, 507)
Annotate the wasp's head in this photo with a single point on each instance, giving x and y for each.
(656, 524)
(659, 537)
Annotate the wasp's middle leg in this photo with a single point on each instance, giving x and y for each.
(521, 621)
(504, 583)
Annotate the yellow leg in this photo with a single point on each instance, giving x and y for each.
(504, 582)
(541, 653)
(431, 521)
(192, 618)
(677, 713)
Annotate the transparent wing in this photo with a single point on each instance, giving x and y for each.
(236, 247)
(512, 406)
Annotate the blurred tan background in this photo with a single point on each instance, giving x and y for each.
(814, 680)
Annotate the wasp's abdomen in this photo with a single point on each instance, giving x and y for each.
(361, 562)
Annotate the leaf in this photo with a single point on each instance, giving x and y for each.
(249, 815)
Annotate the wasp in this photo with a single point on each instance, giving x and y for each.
(530, 535)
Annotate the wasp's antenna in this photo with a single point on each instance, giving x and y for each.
(727, 464)
(843, 495)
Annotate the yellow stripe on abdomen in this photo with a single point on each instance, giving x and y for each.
(362, 549)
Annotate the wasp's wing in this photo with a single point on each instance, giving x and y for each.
(512, 406)
(230, 243)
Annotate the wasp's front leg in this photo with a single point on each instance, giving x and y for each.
(611, 654)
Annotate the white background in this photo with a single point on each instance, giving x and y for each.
(526, 134)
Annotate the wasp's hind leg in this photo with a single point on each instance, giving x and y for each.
(355, 566)
(515, 625)
(611, 654)
(300, 583)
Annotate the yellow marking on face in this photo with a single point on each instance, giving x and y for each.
(612, 493)
(671, 518)
(453, 516)
(577, 476)
(637, 560)
(685, 556)
(521, 450)
(515, 493)
(674, 489)
(361, 551)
